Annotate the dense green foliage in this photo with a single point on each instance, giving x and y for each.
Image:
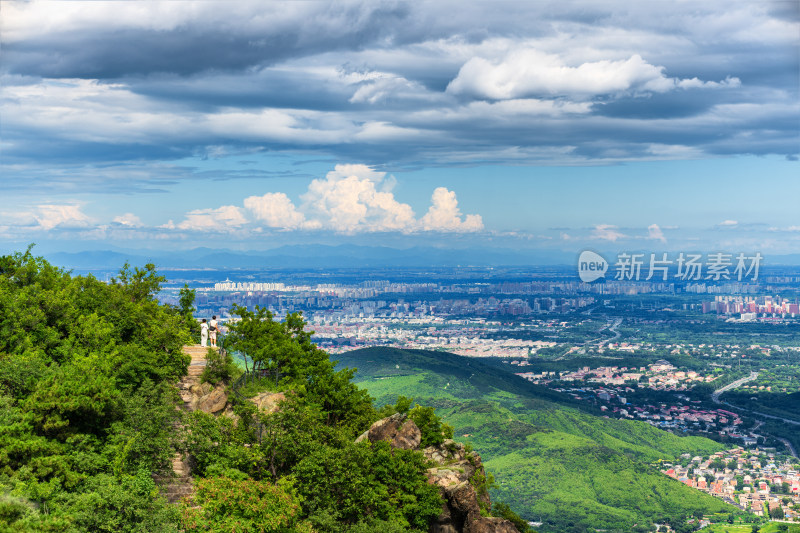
(244, 506)
(552, 462)
(309, 440)
(86, 409)
(284, 348)
(502, 510)
(88, 419)
(342, 486)
(220, 367)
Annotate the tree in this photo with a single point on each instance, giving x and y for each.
(186, 301)
(717, 464)
(141, 283)
(245, 506)
(362, 482)
(285, 350)
(266, 342)
(776, 512)
(502, 510)
(87, 405)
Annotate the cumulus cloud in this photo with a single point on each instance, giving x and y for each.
(221, 219)
(654, 232)
(276, 210)
(529, 72)
(347, 200)
(607, 232)
(50, 216)
(444, 214)
(350, 199)
(129, 220)
(729, 223)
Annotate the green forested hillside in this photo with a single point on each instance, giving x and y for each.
(86, 403)
(553, 462)
(89, 414)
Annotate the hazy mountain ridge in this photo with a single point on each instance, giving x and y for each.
(308, 256)
(329, 256)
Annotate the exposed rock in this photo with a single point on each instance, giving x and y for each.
(205, 388)
(268, 401)
(400, 431)
(213, 402)
(491, 524)
(454, 472)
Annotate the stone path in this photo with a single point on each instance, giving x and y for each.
(196, 367)
(180, 485)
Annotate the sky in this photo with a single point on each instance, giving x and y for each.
(668, 125)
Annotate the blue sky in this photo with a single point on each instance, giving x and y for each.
(530, 125)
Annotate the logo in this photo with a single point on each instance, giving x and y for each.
(591, 266)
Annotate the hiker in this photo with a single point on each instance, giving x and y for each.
(213, 328)
(203, 333)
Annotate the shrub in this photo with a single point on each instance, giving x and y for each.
(220, 367)
(242, 505)
(367, 482)
(504, 511)
(434, 432)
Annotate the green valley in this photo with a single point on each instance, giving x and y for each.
(554, 460)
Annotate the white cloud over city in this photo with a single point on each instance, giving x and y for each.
(350, 199)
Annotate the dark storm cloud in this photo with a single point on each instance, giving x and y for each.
(194, 46)
(404, 84)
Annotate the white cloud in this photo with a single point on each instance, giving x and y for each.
(50, 216)
(129, 220)
(225, 218)
(444, 214)
(654, 232)
(276, 210)
(525, 72)
(729, 223)
(348, 201)
(695, 83)
(607, 232)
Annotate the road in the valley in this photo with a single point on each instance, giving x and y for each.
(729, 386)
(753, 375)
(613, 329)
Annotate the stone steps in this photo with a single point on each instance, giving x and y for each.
(181, 485)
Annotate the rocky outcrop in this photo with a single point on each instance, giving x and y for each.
(213, 402)
(268, 401)
(401, 432)
(456, 472)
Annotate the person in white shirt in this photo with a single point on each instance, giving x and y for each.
(203, 333)
(213, 329)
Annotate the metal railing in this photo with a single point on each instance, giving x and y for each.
(249, 375)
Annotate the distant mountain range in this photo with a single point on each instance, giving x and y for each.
(326, 256)
(309, 256)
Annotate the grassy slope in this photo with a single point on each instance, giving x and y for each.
(551, 460)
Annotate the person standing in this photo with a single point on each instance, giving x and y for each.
(203, 333)
(213, 329)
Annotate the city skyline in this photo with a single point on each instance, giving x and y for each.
(539, 126)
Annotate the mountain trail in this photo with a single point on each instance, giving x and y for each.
(180, 485)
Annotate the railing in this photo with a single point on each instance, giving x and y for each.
(249, 375)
